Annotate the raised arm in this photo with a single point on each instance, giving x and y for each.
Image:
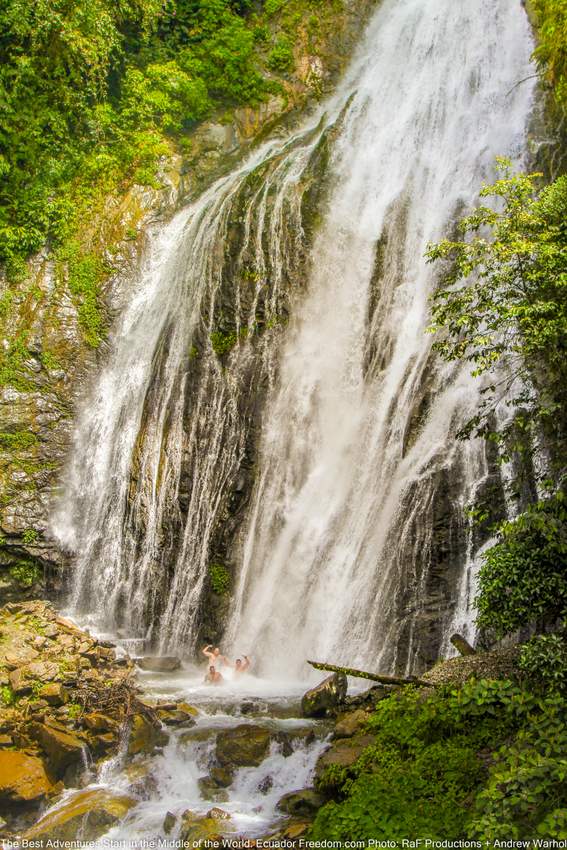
(206, 650)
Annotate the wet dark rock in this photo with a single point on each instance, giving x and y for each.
(301, 803)
(266, 785)
(324, 699)
(169, 822)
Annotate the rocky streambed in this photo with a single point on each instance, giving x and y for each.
(93, 745)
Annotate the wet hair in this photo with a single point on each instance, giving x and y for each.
(238, 661)
(216, 650)
(212, 669)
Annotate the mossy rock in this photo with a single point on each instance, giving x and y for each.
(144, 736)
(86, 815)
(244, 746)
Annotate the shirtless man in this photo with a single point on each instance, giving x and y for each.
(213, 677)
(215, 657)
(241, 666)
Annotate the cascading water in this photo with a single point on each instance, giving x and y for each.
(358, 502)
(359, 444)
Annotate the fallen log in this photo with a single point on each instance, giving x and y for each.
(374, 677)
(462, 645)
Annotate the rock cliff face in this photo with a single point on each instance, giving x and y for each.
(46, 319)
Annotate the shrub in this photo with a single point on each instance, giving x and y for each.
(522, 581)
(280, 57)
(544, 661)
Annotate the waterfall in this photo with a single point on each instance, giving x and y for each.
(267, 348)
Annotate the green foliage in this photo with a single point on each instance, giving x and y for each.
(504, 301)
(452, 765)
(551, 52)
(220, 578)
(522, 580)
(280, 57)
(544, 661)
(25, 573)
(91, 93)
(74, 710)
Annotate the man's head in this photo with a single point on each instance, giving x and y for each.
(212, 669)
(216, 651)
(238, 663)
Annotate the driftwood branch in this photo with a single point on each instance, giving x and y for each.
(374, 677)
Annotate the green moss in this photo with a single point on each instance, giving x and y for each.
(13, 371)
(26, 573)
(220, 578)
(85, 272)
(222, 343)
(74, 710)
(7, 696)
(29, 536)
(17, 440)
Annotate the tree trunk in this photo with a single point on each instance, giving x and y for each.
(462, 645)
(374, 677)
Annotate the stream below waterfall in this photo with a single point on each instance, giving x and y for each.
(167, 781)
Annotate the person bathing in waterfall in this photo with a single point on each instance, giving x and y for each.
(215, 657)
(241, 666)
(213, 676)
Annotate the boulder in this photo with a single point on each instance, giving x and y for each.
(19, 681)
(175, 718)
(350, 724)
(325, 698)
(196, 829)
(342, 753)
(169, 822)
(98, 722)
(159, 663)
(144, 736)
(218, 814)
(45, 671)
(244, 746)
(210, 790)
(23, 778)
(221, 776)
(54, 694)
(301, 803)
(86, 815)
(63, 748)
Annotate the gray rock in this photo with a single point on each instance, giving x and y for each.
(159, 663)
